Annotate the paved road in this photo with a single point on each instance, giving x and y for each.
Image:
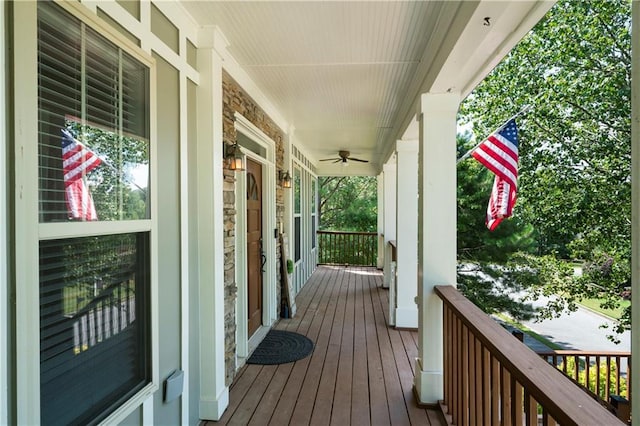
(579, 330)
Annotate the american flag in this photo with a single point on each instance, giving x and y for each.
(77, 161)
(499, 153)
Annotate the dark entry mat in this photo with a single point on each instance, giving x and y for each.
(281, 347)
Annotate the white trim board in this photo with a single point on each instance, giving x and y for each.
(269, 295)
(4, 218)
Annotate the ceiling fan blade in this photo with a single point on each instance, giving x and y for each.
(338, 160)
(357, 159)
(329, 159)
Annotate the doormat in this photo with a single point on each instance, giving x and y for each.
(281, 347)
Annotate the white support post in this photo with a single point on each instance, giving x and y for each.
(436, 235)
(406, 313)
(635, 198)
(389, 189)
(214, 395)
(380, 259)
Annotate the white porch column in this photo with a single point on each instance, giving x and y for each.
(635, 203)
(406, 314)
(214, 395)
(436, 234)
(389, 171)
(380, 259)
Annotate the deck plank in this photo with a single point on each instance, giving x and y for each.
(377, 391)
(321, 415)
(307, 397)
(342, 395)
(395, 396)
(314, 317)
(361, 370)
(239, 390)
(360, 409)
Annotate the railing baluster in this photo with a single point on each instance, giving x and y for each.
(492, 380)
(598, 375)
(446, 329)
(465, 377)
(486, 386)
(353, 248)
(608, 381)
(478, 380)
(470, 378)
(457, 372)
(629, 379)
(617, 375)
(587, 369)
(495, 391)
(506, 401)
(517, 408)
(530, 410)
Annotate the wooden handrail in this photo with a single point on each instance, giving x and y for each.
(347, 233)
(598, 372)
(347, 248)
(490, 374)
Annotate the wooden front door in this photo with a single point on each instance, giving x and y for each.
(254, 244)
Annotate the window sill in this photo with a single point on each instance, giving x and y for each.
(131, 405)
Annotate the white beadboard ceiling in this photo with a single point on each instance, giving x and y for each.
(347, 75)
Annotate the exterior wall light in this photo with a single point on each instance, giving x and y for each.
(234, 157)
(285, 178)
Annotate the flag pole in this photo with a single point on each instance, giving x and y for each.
(517, 114)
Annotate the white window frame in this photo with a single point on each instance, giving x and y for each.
(30, 231)
(4, 246)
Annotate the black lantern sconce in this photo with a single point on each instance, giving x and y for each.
(234, 157)
(285, 178)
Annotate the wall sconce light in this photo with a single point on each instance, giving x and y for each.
(285, 178)
(234, 157)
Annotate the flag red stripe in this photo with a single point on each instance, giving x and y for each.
(499, 153)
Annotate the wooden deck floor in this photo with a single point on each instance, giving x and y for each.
(360, 372)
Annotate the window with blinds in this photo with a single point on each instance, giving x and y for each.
(94, 317)
(93, 124)
(314, 197)
(297, 213)
(93, 165)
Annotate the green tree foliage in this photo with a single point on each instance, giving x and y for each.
(574, 68)
(348, 203)
(114, 191)
(482, 255)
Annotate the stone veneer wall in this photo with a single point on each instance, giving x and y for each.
(235, 99)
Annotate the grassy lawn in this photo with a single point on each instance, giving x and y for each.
(594, 305)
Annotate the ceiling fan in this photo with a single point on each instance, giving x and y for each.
(345, 157)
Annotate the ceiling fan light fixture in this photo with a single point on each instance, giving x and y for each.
(344, 158)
